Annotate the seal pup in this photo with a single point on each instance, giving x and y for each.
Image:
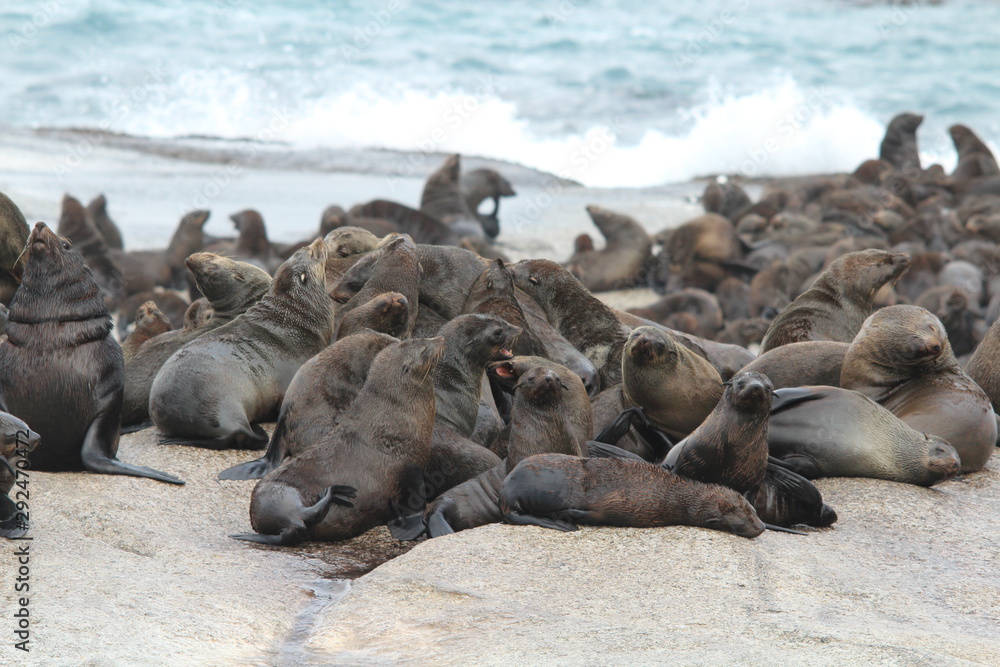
(149, 323)
(395, 268)
(812, 362)
(622, 261)
(356, 476)
(231, 287)
(820, 431)
(597, 334)
(479, 185)
(13, 238)
(211, 391)
(550, 414)
(494, 293)
(97, 215)
(902, 360)
(60, 358)
(322, 389)
(837, 304)
(899, 145)
(559, 491)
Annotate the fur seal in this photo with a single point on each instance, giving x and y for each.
(813, 362)
(149, 323)
(322, 389)
(383, 217)
(388, 313)
(624, 258)
(702, 305)
(545, 400)
(115, 277)
(899, 146)
(901, 359)
(97, 215)
(231, 287)
(395, 268)
(975, 159)
(479, 185)
(211, 391)
(839, 301)
(820, 431)
(353, 478)
(197, 314)
(442, 198)
(984, 366)
(494, 293)
(171, 304)
(558, 491)
(557, 348)
(13, 238)
(60, 358)
(599, 335)
(676, 389)
(17, 441)
(700, 251)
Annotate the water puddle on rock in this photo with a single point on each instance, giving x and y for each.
(325, 593)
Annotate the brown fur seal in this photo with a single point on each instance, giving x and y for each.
(382, 217)
(899, 146)
(598, 335)
(558, 491)
(353, 478)
(702, 305)
(149, 323)
(479, 185)
(13, 238)
(197, 314)
(814, 362)
(322, 389)
(975, 159)
(984, 366)
(839, 301)
(556, 347)
(252, 245)
(171, 304)
(231, 287)
(676, 389)
(622, 261)
(726, 199)
(113, 277)
(823, 431)
(388, 313)
(348, 241)
(97, 215)
(442, 199)
(902, 360)
(698, 251)
(60, 359)
(494, 293)
(211, 391)
(545, 398)
(395, 268)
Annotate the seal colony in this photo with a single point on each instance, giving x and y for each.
(385, 350)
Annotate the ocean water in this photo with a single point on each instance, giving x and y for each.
(613, 94)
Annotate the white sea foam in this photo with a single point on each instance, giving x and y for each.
(784, 129)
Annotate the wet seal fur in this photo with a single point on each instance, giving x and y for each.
(211, 392)
(352, 479)
(902, 360)
(558, 491)
(60, 358)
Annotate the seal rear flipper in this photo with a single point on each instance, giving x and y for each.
(800, 464)
(782, 529)
(409, 510)
(8, 508)
(789, 396)
(133, 428)
(437, 525)
(601, 450)
(254, 439)
(102, 439)
(289, 536)
(259, 467)
(407, 528)
(518, 519)
(618, 427)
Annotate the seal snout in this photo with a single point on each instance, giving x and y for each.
(42, 237)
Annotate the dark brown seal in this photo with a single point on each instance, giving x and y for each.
(212, 391)
(899, 146)
(231, 287)
(394, 268)
(839, 301)
(587, 323)
(97, 215)
(364, 468)
(443, 199)
(494, 293)
(388, 313)
(558, 491)
(60, 359)
(814, 362)
(545, 400)
(624, 258)
(901, 359)
(13, 238)
(820, 431)
(984, 366)
(149, 323)
(322, 389)
(479, 185)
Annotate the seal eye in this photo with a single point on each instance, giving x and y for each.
(303, 278)
(65, 245)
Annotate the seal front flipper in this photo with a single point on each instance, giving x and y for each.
(132, 428)
(259, 467)
(518, 519)
(618, 427)
(789, 396)
(654, 437)
(102, 439)
(601, 450)
(801, 464)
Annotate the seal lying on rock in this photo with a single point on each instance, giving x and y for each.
(558, 491)
(369, 464)
(60, 359)
(213, 390)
